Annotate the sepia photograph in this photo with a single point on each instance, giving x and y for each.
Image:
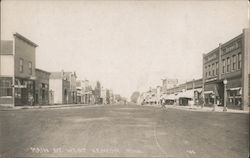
(124, 78)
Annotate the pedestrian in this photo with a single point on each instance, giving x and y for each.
(31, 99)
(163, 104)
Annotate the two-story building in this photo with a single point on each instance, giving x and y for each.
(226, 70)
(17, 71)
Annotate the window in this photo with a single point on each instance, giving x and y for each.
(205, 71)
(228, 64)
(209, 72)
(223, 66)
(239, 61)
(21, 65)
(217, 68)
(234, 63)
(5, 87)
(30, 68)
(213, 70)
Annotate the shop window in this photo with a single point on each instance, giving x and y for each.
(228, 64)
(30, 68)
(217, 68)
(223, 66)
(239, 61)
(5, 87)
(234, 63)
(20, 65)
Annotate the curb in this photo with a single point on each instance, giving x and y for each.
(47, 107)
(199, 109)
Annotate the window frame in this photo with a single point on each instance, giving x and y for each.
(30, 67)
(21, 61)
(228, 64)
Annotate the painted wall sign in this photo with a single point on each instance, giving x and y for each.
(232, 47)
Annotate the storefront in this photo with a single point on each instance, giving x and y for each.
(24, 91)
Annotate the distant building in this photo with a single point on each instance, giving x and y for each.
(42, 87)
(80, 88)
(59, 88)
(71, 77)
(230, 62)
(17, 71)
(168, 83)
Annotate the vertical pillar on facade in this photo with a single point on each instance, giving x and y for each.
(203, 79)
(220, 62)
(245, 70)
(13, 77)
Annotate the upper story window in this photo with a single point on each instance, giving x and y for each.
(228, 64)
(209, 72)
(206, 71)
(213, 70)
(239, 61)
(30, 68)
(223, 65)
(234, 63)
(217, 68)
(20, 65)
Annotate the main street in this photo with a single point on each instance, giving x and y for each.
(123, 131)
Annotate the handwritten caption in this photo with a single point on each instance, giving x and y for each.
(44, 150)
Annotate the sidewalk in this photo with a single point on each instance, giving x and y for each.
(199, 108)
(4, 108)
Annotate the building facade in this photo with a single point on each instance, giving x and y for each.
(59, 92)
(226, 70)
(42, 87)
(17, 80)
(71, 77)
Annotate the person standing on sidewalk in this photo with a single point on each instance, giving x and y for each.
(31, 99)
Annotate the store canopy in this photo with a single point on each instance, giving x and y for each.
(208, 92)
(235, 89)
(186, 94)
(198, 90)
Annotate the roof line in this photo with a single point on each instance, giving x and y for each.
(25, 39)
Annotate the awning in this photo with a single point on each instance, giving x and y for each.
(234, 89)
(171, 97)
(198, 90)
(208, 92)
(186, 94)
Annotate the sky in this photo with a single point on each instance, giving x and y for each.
(126, 45)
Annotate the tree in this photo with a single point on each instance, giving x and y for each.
(134, 97)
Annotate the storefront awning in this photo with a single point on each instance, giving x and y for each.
(198, 90)
(186, 94)
(208, 92)
(234, 89)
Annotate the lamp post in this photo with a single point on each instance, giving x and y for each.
(225, 94)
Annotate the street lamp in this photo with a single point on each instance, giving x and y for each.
(225, 94)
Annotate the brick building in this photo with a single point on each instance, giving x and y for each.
(229, 62)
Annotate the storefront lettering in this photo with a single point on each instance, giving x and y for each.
(235, 46)
(209, 58)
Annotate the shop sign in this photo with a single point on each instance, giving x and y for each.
(20, 86)
(232, 47)
(211, 79)
(211, 57)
